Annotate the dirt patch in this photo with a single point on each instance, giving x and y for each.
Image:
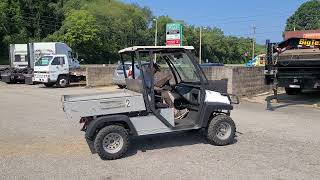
(66, 147)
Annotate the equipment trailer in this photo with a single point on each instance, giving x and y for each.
(110, 118)
(293, 64)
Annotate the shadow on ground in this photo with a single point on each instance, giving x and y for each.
(70, 85)
(162, 141)
(309, 98)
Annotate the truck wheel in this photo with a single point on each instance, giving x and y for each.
(292, 91)
(62, 81)
(48, 84)
(221, 130)
(121, 86)
(111, 142)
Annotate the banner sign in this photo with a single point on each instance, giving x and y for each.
(174, 34)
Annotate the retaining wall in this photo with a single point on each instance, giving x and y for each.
(99, 76)
(248, 81)
(242, 81)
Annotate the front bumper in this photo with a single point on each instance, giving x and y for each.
(42, 78)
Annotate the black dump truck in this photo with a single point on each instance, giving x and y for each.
(293, 64)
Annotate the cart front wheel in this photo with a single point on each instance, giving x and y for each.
(221, 130)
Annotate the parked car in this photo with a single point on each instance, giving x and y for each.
(118, 76)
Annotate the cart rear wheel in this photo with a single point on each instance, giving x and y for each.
(111, 142)
(221, 130)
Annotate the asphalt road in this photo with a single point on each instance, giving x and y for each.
(38, 142)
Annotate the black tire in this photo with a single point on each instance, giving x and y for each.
(214, 128)
(100, 139)
(292, 91)
(62, 81)
(121, 86)
(48, 85)
(12, 82)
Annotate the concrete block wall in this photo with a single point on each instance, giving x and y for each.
(218, 73)
(242, 81)
(248, 81)
(99, 76)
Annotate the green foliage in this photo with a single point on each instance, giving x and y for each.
(307, 17)
(22, 21)
(98, 29)
(81, 32)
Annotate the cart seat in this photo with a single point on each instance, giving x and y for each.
(160, 105)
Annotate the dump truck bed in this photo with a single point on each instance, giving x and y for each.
(309, 58)
(96, 104)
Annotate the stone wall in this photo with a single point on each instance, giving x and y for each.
(218, 73)
(99, 76)
(242, 81)
(248, 81)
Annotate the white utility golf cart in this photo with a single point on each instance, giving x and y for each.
(110, 118)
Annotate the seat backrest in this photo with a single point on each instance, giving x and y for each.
(134, 85)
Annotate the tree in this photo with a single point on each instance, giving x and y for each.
(12, 27)
(307, 17)
(81, 32)
(98, 29)
(22, 21)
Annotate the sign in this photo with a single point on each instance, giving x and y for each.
(309, 42)
(174, 34)
(312, 35)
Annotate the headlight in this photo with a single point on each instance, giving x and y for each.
(234, 99)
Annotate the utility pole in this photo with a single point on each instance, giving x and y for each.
(253, 41)
(156, 33)
(155, 38)
(200, 45)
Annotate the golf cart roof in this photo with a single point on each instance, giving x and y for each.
(136, 48)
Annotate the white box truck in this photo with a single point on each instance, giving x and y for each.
(56, 65)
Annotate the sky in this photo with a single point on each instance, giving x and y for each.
(233, 17)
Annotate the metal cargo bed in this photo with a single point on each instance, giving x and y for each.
(84, 105)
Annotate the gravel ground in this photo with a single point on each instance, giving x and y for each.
(38, 142)
(305, 99)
